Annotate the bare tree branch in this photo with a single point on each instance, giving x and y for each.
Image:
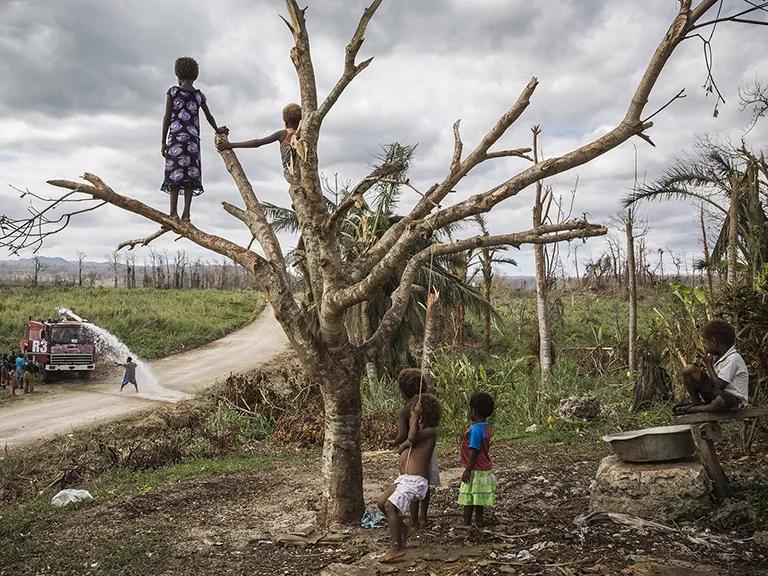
(351, 69)
(542, 235)
(131, 244)
(736, 18)
(400, 239)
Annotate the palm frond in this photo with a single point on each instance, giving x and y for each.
(281, 219)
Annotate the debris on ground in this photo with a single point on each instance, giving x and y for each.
(71, 496)
(372, 517)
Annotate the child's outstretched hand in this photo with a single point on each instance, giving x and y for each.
(466, 476)
(222, 130)
(416, 410)
(222, 145)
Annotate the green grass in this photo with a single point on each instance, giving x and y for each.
(580, 323)
(153, 323)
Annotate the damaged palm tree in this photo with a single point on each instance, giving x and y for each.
(317, 329)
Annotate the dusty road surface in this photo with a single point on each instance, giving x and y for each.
(69, 406)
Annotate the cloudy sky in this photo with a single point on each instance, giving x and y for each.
(82, 88)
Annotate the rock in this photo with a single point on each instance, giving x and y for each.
(532, 428)
(761, 539)
(346, 570)
(579, 408)
(661, 491)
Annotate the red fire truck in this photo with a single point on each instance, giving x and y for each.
(57, 347)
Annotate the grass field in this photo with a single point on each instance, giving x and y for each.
(153, 323)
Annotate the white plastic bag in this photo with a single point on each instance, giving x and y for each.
(69, 496)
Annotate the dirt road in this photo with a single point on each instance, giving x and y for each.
(69, 406)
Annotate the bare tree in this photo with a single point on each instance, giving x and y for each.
(114, 262)
(316, 329)
(542, 278)
(80, 258)
(629, 227)
(39, 266)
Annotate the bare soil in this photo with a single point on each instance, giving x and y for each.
(234, 524)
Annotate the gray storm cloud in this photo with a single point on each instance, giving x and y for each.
(83, 86)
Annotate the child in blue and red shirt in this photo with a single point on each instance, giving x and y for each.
(478, 483)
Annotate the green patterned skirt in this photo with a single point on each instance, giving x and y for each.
(480, 491)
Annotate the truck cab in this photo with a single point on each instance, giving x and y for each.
(58, 347)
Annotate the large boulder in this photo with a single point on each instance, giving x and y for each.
(579, 408)
(662, 491)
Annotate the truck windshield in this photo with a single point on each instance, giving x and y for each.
(67, 335)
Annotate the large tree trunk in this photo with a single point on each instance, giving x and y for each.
(542, 287)
(339, 382)
(650, 385)
(733, 232)
(632, 287)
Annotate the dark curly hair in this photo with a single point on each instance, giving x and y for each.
(292, 115)
(431, 411)
(410, 381)
(719, 331)
(481, 404)
(186, 68)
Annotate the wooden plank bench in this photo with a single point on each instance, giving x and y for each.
(704, 433)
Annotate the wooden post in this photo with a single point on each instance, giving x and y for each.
(703, 437)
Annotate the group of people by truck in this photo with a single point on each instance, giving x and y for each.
(17, 374)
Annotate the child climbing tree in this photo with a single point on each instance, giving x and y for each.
(338, 283)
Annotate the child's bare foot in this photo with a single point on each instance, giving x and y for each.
(174, 215)
(393, 554)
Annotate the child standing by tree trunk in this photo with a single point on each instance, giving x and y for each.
(414, 465)
(411, 381)
(181, 137)
(478, 483)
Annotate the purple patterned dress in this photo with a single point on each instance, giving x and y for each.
(182, 160)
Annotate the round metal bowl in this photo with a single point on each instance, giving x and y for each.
(653, 444)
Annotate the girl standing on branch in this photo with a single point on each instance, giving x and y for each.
(181, 137)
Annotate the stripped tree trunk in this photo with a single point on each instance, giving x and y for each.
(632, 287)
(708, 266)
(431, 330)
(733, 232)
(487, 282)
(542, 287)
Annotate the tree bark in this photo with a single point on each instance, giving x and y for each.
(706, 250)
(542, 287)
(431, 330)
(733, 232)
(487, 285)
(650, 384)
(339, 382)
(632, 287)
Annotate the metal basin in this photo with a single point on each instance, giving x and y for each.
(653, 444)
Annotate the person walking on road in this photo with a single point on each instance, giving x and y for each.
(130, 373)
